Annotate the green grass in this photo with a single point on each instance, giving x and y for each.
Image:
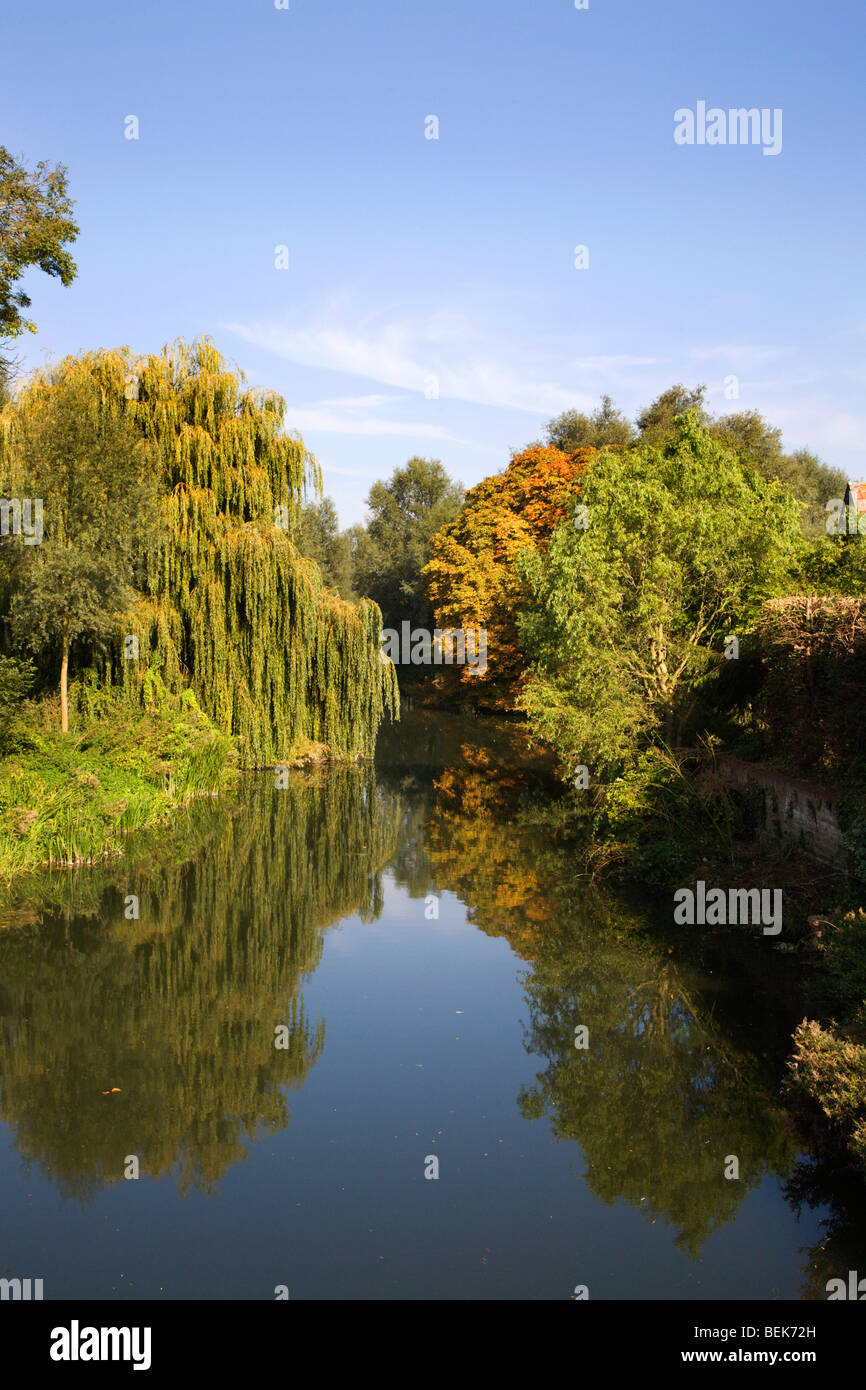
(68, 799)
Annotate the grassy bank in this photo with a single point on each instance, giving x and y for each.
(68, 799)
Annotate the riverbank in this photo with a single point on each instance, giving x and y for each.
(70, 799)
(674, 820)
(679, 821)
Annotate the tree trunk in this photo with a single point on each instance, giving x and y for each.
(64, 697)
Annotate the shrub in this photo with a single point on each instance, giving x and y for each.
(16, 679)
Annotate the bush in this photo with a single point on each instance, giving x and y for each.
(831, 1071)
(16, 680)
(663, 817)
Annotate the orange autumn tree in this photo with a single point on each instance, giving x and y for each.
(471, 579)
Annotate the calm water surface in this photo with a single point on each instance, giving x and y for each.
(425, 953)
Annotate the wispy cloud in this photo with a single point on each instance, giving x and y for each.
(441, 353)
(312, 418)
(361, 415)
(329, 468)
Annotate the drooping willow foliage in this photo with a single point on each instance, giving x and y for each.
(229, 606)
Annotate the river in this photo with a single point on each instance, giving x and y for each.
(336, 1030)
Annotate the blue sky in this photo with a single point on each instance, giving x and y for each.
(412, 258)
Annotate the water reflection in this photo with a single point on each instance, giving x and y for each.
(659, 1102)
(178, 1008)
(662, 1096)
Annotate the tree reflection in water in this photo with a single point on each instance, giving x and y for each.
(178, 1009)
(662, 1095)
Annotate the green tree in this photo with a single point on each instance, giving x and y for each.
(814, 484)
(753, 441)
(759, 445)
(606, 427)
(656, 423)
(89, 472)
(317, 535)
(228, 607)
(35, 225)
(681, 546)
(405, 513)
(835, 565)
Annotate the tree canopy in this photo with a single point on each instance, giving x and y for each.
(759, 445)
(405, 513)
(35, 226)
(606, 427)
(96, 486)
(756, 443)
(227, 604)
(317, 535)
(680, 547)
(471, 575)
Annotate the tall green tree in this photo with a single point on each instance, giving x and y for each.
(405, 513)
(317, 535)
(681, 545)
(91, 475)
(753, 440)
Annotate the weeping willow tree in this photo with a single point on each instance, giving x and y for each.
(227, 604)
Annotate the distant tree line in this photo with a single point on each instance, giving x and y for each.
(435, 555)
